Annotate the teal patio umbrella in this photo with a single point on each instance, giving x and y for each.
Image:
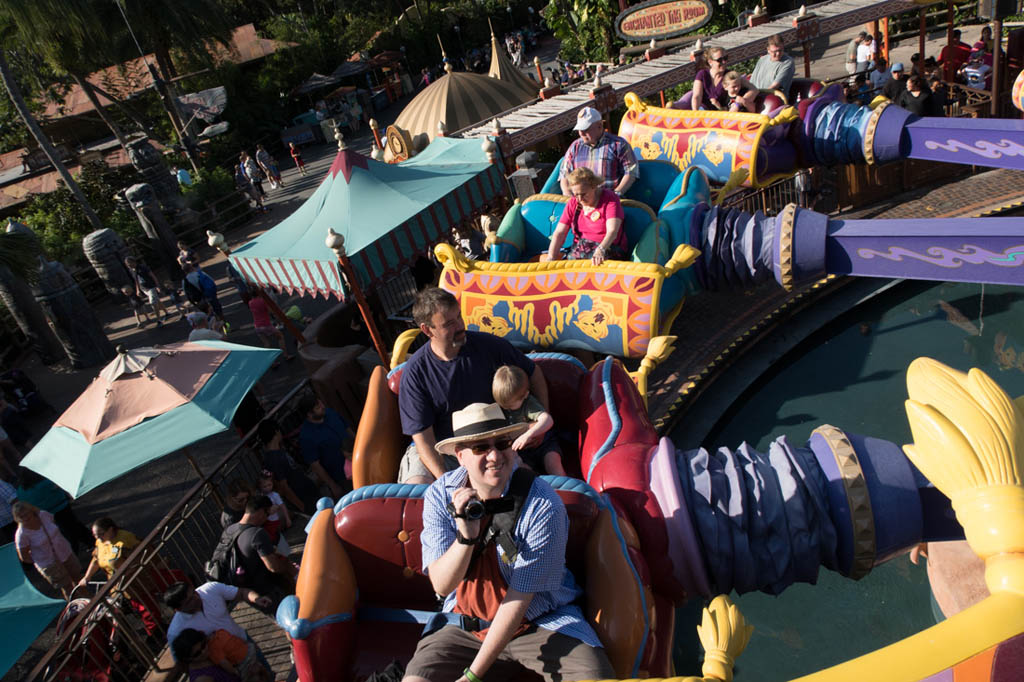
(24, 611)
(146, 403)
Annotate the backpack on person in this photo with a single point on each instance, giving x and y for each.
(193, 293)
(227, 565)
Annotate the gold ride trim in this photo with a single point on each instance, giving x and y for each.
(857, 498)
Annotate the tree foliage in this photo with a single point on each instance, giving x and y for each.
(60, 222)
(585, 28)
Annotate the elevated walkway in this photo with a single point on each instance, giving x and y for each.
(535, 122)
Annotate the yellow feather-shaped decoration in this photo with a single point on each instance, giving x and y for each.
(968, 441)
(940, 450)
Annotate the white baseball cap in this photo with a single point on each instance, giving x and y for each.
(587, 117)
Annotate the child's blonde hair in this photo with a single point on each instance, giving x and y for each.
(509, 381)
(731, 76)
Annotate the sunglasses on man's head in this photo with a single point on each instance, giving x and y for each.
(483, 448)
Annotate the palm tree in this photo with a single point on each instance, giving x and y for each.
(19, 267)
(14, 91)
(71, 35)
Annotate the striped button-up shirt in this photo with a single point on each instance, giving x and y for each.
(7, 497)
(541, 534)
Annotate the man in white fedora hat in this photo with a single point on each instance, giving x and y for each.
(609, 156)
(493, 541)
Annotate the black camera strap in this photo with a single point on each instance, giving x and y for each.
(503, 523)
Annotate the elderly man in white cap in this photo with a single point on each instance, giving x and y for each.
(201, 328)
(493, 541)
(609, 156)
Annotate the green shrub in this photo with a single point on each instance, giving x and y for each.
(60, 222)
(208, 185)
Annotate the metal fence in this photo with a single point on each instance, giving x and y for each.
(122, 631)
(769, 199)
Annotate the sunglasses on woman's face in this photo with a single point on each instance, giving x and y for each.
(722, 59)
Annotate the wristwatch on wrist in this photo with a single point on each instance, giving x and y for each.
(463, 540)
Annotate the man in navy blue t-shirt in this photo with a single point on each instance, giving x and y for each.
(445, 375)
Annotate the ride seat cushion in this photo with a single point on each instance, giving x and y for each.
(563, 380)
(604, 408)
(382, 538)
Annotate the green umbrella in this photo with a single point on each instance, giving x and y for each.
(143, 405)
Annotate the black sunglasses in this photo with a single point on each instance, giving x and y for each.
(721, 60)
(484, 448)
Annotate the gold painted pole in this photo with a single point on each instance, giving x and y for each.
(279, 314)
(336, 243)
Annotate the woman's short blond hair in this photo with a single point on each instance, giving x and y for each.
(509, 381)
(584, 176)
(21, 508)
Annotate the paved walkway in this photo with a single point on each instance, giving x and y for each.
(139, 499)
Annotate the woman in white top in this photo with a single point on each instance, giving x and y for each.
(865, 54)
(39, 541)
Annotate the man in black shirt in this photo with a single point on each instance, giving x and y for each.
(266, 571)
(894, 89)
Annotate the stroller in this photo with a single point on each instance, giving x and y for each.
(97, 646)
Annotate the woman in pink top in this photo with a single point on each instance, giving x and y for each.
(595, 216)
(39, 541)
(266, 330)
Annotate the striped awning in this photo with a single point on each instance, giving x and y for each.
(389, 215)
(460, 99)
(503, 69)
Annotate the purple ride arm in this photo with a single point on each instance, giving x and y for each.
(843, 501)
(989, 250)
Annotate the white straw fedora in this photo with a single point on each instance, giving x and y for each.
(478, 421)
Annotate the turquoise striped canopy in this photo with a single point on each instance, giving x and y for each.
(389, 214)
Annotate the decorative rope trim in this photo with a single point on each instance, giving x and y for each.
(456, 261)
(862, 520)
(869, 133)
(784, 223)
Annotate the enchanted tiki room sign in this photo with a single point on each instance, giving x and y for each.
(662, 19)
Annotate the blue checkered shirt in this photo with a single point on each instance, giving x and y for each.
(611, 159)
(7, 496)
(540, 536)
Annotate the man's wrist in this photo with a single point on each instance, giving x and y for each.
(471, 676)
